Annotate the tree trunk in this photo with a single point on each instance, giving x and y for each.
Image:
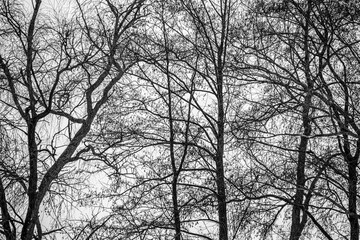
(30, 221)
(175, 171)
(220, 175)
(9, 234)
(221, 196)
(297, 221)
(176, 208)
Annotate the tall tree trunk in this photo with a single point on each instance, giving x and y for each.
(220, 175)
(175, 171)
(351, 161)
(174, 183)
(298, 221)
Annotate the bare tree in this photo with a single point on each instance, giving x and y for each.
(61, 71)
(292, 45)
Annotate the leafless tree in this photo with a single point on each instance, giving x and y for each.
(57, 71)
